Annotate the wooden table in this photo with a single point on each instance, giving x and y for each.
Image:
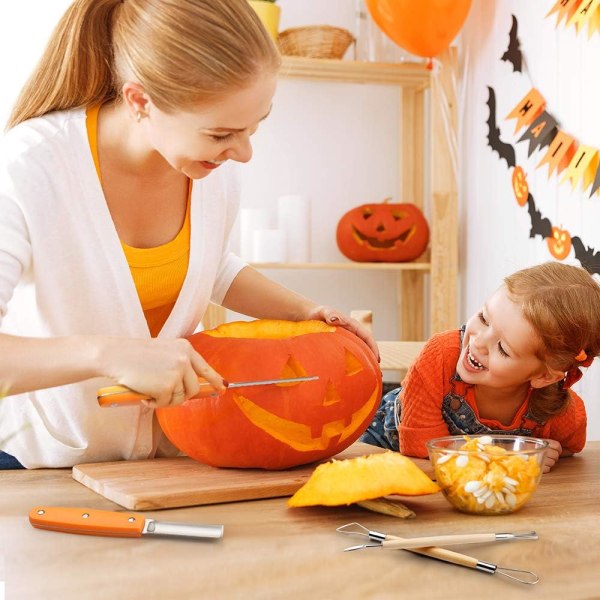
(270, 551)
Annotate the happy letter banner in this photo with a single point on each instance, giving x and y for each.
(562, 152)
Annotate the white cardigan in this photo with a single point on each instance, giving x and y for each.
(63, 272)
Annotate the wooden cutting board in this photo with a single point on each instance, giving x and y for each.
(175, 482)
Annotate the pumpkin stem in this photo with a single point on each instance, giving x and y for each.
(386, 200)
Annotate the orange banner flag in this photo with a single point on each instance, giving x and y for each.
(583, 165)
(528, 109)
(594, 23)
(583, 14)
(565, 9)
(559, 154)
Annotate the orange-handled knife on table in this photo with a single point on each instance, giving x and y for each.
(119, 395)
(89, 521)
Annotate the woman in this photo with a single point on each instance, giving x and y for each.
(113, 237)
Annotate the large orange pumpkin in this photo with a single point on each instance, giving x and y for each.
(278, 426)
(383, 233)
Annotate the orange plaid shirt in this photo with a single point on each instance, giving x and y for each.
(428, 381)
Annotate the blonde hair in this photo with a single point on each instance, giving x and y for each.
(182, 52)
(562, 303)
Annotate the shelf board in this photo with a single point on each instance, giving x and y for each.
(347, 266)
(408, 74)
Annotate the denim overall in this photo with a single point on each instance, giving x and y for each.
(458, 415)
(8, 461)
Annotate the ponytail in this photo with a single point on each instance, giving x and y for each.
(77, 67)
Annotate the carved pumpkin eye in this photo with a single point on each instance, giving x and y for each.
(353, 365)
(293, 369)
(398, 216)
(367, 214)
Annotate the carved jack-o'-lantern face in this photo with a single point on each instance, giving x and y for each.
(383, 233)
(520, 186)
(278, 426)
(560, 243)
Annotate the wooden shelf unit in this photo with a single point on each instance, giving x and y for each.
(414, 79)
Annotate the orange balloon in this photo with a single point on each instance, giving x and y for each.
(422, 27)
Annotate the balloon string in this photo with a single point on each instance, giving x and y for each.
(451, 137)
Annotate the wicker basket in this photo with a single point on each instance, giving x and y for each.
(316, 41)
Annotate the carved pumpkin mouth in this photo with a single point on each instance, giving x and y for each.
(375, 244)
(300, 436)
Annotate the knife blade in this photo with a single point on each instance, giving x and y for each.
(119, 395)
(88, 521)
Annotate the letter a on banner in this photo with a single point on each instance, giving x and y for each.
(582, 166)
(528, 109)
(559, 154)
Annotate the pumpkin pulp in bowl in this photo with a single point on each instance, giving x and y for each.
(487, 474)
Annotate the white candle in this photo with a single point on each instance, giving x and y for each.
(268, 246)
(293, 218)
(251, 219)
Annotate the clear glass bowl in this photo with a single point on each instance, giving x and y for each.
(487, 474)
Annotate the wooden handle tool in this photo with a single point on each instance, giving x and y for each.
(119, 395)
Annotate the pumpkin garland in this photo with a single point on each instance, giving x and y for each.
(284, 425)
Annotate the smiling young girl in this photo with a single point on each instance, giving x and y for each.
(508, 371)
(116, 206)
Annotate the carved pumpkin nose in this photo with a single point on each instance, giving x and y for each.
(380, 228)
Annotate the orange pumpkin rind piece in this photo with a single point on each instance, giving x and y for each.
(364, 478)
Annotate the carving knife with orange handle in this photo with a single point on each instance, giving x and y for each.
(119, 395)
(89, 521)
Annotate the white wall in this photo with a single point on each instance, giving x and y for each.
(494, 229)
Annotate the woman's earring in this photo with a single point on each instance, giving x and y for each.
(138, 116)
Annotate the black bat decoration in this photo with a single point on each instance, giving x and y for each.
(513, 53)
(504, 150)
(539, 225)
(588, 257)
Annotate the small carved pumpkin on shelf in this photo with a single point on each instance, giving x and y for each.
(278, 426)
(560, 243)
(383, 232)
(520, 185)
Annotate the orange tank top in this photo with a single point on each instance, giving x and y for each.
(159, 272)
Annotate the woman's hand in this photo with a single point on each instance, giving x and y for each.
(552, 455)
(165, 370)
(338, 319)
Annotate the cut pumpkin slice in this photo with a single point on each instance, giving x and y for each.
(363, 478)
